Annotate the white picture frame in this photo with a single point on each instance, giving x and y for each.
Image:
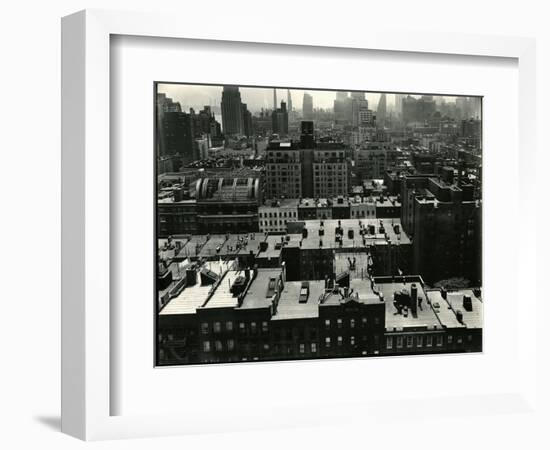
(86, 246)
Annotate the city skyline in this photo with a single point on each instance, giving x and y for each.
(197, 96)
(349, 231)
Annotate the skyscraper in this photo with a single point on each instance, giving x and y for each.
(381, 111)
(179, 136)
(279, 119)
(289, 100)
(274, 99)
(341, 106)
(341, 95)
(232, 117)
(307, 107)
(358, 95)
(399, 103)
(360, 111)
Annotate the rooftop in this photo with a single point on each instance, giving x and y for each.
(192, 297)
(289, 303)
(425, 317)
(384, 233)
(256, 295)
(223, 297)
(447, 309)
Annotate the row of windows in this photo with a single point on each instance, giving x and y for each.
(217, 327)
(420, 341)
(340, 340)
(272, 223)
(352, 322)
(278, 214)
(218, 345)
(363, 213)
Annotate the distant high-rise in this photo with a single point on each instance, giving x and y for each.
(279, 119)
(341, 95)
(381, 111)
(307, 107)
(399, 103)
(289, 100)
(232, 117)
(247, 120)
(308, 168)
(358, 95)
(274, 99)
(179, 136)
(341, 106)
(360, 113)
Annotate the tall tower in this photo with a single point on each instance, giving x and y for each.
(307, 107)
(381, 110)
(274, 99)
(289, 100)
(232, 117)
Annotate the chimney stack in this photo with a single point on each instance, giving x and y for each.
(414, 299)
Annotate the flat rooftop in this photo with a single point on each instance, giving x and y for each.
(361, 292)
(212, 247)
(455, 302)
(289, 305)
(426, 317)
(222, 297)
(192, 297)
(272, 251)
(256, 296)
(168, 252)
(356, 240)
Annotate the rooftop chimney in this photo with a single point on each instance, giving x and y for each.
(414, 299)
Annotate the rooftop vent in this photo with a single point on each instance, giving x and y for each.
(238, 286)
(467, 303)
(304, 292)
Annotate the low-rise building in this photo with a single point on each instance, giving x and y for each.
(274, 215)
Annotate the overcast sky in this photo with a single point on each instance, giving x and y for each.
(197, 96)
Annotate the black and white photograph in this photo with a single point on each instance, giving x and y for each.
(297, 224)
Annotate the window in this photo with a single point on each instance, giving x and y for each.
(409, 341)
(352, 323)
(302, 348)
(313, 347)
(364, 321)
(242, 328)
(264, 327)
(229, 325)
(230, 344)
(449, 339)
(339, 341)
(419, 341)
(439, 341)
(459, 340)
(327, 324)
(253, 327)
(399, 341)
(429, 341)
(327, 342)
(217, 327)
(206, 346)
(339, 323)
(352, 340)
(389, 342)
(266, 347)
(204, 328)
(218, 345)
(377, 320)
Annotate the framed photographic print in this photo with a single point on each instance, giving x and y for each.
(263, 231)
(348, 225)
